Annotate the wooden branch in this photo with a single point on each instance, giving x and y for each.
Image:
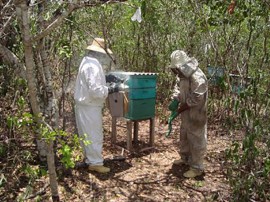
(65, 14)
(11, 59)
(40, 192)
(54, 24)
(6, 24)
(5, 6)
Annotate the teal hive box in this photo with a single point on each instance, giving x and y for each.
(141, 109)
(141, 94)
(142, 81)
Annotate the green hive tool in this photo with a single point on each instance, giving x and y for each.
(173, 107)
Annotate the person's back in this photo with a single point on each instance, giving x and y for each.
(90, 94)
(89, 83)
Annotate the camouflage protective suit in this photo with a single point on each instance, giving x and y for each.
(191, 88)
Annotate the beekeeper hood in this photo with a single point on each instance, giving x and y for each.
(98, 45)
(186, 65)
(106, 59)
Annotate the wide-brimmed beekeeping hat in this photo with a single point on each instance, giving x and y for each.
(98, 45)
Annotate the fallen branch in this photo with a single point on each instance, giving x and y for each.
(202, 191)
(40, 192)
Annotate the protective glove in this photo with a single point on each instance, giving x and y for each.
(112, 79)
(113, 89)
(182, 108)
(173, 115)
(173, 105)
(116, 89)
(177, 72)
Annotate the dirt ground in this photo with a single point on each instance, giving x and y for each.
(149, 175)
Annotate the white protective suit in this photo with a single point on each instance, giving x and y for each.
(90, 94)
(191, 88)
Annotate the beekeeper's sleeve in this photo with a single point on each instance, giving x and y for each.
(95, 80)
(176, 90)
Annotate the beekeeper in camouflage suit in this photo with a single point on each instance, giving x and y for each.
(191, 92)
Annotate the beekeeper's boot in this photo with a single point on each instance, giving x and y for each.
(99, 169)
(193, 172)
(180, 162)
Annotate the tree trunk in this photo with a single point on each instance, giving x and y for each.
(52, 172)
(45, 149)
(51, 114)
(22, 14)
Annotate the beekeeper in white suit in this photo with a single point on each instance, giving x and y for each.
(191, 92)
(90, 94)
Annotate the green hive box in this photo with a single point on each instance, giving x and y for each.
(141, 95)
(141, 109)
(142, 81)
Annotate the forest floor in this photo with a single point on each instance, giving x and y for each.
(150, 175)
(144, 176)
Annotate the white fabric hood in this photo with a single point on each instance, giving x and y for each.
(187, 65)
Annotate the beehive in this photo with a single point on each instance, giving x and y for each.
(141, 94)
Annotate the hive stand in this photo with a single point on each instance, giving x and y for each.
(141, 96)
(135, 124)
